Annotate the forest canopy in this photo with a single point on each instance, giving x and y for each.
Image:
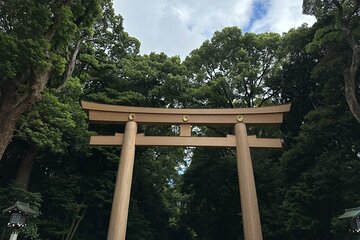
(53, 54)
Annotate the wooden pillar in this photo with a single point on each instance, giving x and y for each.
(249, 203)
(120, 204)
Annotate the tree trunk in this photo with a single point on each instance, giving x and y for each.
(13, 105)
(350, 73)
(72, 61)
(79, 216)
(7, 126)
(350, 77)
(27, 161)
(70, 66)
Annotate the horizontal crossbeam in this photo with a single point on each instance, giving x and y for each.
(194, 119)
(142, 140)
(203, 111)
(112, 114)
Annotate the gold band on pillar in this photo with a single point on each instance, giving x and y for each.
(249, 203)
(120, 205)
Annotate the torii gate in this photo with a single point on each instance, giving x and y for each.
(185, 118)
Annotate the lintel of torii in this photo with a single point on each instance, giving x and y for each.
(185, 118)
(239, 118)
(115, 114)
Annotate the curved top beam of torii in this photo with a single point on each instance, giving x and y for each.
(115, 114)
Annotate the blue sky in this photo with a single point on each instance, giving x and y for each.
(176, 27)
(259, 10)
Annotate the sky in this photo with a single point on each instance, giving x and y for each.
(176, 27)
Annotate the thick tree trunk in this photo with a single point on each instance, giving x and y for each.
(350, 77)
(7, 126)
(27, 161)
(13, 105)
(350, 73)
(10, 112)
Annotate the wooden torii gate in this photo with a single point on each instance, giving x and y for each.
(185, 118)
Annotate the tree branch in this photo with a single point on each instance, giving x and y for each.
(267, 98)
(71, 64)
(350, 86)
(77, 224)
(227, 96)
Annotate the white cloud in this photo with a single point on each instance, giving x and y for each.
(281, 16)
(176, 27)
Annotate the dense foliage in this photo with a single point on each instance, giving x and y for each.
(177, 194)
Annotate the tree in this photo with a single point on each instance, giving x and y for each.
(51, 120)
(322, 136)
(57, 124)
(149, 80)
(347, 14)
(37, 39)
(234, 69)
(295, 82)
(54, 134)
(320, 173)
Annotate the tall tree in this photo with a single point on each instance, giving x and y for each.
(322, 136)
(38, 39)
(55, 125)
(44, 127)
(295, 81)
(51, 139)
(234, 69)
(347, 14)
